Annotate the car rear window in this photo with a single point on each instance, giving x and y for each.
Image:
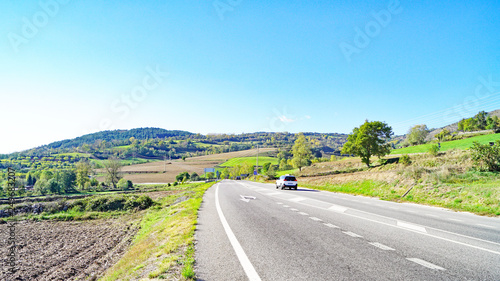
(290, 178)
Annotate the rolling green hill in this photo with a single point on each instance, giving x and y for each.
(250, 160)
(460, 144)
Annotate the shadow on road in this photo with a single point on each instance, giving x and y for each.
(300, 189)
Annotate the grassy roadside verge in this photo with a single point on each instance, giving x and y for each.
(448, 145)
(481, 197)
(163, 247)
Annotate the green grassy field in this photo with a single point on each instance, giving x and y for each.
(291, 172)
(250, 160)
(73, 154)
(460, 144)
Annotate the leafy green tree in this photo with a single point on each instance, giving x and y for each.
(182, 177)
(265, 167)
(442, 135)
(247, 168)
(493, 123)
(301, 152)
(54, 186)
(83, 170)
(284, 165)
(235, 171)
(40, 187)
(112, 168)
(194, 176)
(68, 180)
(271, 172)
(480, 118)
(46, 175)
(417, 134)
(370, 139)
(225, 173)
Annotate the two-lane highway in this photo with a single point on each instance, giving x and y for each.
(253, 231)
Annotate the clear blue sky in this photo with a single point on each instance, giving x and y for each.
(74, 67)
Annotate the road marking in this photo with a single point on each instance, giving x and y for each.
(279, 203)
(426, 264)
(420, 232)
(297, 199)
(412, 226)
(394, 208)
(331, 225)
(432, 215)
(273, 193)
(337, 208)
(286, 206)
(457, 220)
(304, 214)
(247, 198)
(240, 253)
(382, 246)
(315, 219)
(485, 225)
(293, 209)
(352, 234)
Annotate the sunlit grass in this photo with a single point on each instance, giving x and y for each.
(460, 144)
(165, 240)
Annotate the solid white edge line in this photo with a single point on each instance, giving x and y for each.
(425, 263)
(240, 253)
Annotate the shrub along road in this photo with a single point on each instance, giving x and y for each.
(253, 231)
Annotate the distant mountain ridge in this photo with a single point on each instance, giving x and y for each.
(138, 133)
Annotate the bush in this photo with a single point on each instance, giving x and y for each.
(175, 183)
(434, 150)
(486, 157)
(113, 203)
(405, 160)
(124, 184)
(195, 177)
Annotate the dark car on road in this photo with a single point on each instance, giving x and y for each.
(287, 181)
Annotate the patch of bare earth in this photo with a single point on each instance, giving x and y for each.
(52, 250)
(166, 171)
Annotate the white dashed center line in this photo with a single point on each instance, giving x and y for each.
(304, 214)
(352, 234)
(382, 246)
(331, 225)
(426, 264)
(315, 219)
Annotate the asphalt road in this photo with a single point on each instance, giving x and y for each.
(252, 231)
